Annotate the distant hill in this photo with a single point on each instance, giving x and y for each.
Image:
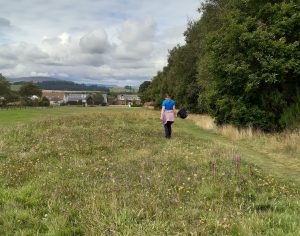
(34, 79)
(51, 83)
(71, 86)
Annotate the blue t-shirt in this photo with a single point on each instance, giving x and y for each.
(168, 104)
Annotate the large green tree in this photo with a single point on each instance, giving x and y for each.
(4, 87)
(98, 98)
(29, 89)
(180, 77)
(144, 92)
(240, 63)
(254, 59)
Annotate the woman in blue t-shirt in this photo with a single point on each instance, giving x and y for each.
(167, 115)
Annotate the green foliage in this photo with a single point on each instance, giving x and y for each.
(291, 115)
(98, 98)
(144, 92)
(254, 60)
(29, 89)
(180, 77)
(25, 101)
(154, 91)
(240, 63)
(4, 87)
(128, 87)
(40, 102)
(13, 96)
(136, 104)
(44, 102)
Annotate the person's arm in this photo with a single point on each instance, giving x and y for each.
(174, 109)
(162, 112)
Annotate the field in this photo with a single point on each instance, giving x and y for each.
(109, 171)
(12, 117)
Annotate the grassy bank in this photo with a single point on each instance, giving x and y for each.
(112, 172)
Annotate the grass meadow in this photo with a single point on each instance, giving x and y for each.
(11, 117)
(109, 171)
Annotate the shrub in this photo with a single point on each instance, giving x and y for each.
(44, 102)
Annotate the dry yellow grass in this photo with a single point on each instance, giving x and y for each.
(285, 144)
(203, 121)
(206, 122)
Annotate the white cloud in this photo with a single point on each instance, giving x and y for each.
(4, 23)
(65, 38)
(137, 40)
(133, 31)
(111, 41)
(34, 73)
(22, 53)
(95, 42)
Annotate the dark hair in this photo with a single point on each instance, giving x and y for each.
(167, 95)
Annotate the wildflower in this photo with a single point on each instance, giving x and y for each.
(237, 164)
(214, 168)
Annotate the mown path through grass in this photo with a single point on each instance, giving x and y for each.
(273, 166)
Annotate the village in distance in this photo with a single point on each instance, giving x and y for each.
(47, 91)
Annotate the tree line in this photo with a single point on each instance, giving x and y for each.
(240, 63)
(29, 94)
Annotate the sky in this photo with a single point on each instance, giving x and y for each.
(116, 42)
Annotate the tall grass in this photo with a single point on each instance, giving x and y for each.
(283, 145)
(114, 174)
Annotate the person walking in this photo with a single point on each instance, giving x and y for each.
(167, 115)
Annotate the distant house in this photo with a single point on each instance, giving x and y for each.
(77, 98)
(125, 99)
(105, 101)
(54, 96)
(71, 98)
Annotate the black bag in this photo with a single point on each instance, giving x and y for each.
(182, 113)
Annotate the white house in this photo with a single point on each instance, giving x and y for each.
(73, 98)
(124, 99)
